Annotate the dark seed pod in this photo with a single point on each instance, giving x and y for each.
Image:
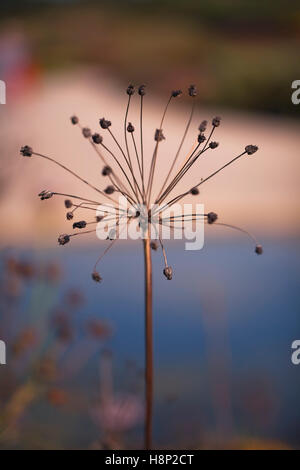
(201, 138)
(154, 246)
(97, 138)
(63, 239)
(26, 151)
(194, 191)
(106, 171)
(104, 123)
(213, 145)
(211, 217)
(216, 121)
(192, 91)
(74, 120)
(202, 127)
(130, 90)
(109, 190)
(69, 215)
(176, 93)
(45, 195)
(158, 136)
(142, 90)
(250, 149)
(259, 249)
(130, 127)
(80, 224)
(68, 203)
(168, 272)
(86, 132)
(96, 276)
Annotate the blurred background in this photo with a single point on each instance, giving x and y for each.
(224, 326)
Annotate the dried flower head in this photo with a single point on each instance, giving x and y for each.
(68, 204)
(213, 145)
(104, 123)
(80, 224)
(194, 191)
(74, 120)
(192, 91)
(176, 93)
(63, 239)
(158, 136)
(130, 127)
(216, 121)
(135, 184)
(203, 126)
(250, 149)
(168, 272)
(97, 138)
(259, 249)
(86, 132)
(130, 90)
(109, 190)
(96, 276)
(142, 90)
(26, 151)
(45, 194)
(211, 217)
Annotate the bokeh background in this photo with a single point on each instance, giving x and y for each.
(224, 326)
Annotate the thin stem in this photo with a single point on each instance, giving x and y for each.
(148, 343)
(179, 149)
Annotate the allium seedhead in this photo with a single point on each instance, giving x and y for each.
(142, 90)
(74, 120)
(86, 132)
(96, 276)
(80, 224)
(259, 249)
(194, 191)
(130, 127)
(26, 151)
(192, 91)
(168, 272)
(158, 136)
(104, 123)
(176, 93)
(109, 190)
(97, 138)
(211, 217)
(202, 127)
(201, 138)
(69, 215)
(106, 171)
(130, 90)
(154, 246)
(45, 195)
(216, 121)
(213, 145)
(250, 149)
(63, 239)
(68, 203)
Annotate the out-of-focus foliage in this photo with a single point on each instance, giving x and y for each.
(241, 54)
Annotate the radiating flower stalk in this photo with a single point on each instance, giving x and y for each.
(127, 175)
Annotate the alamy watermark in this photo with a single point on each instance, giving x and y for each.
(2, 92)
(295, 358)
(179, 221)
(296, 94)
(2, 353)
